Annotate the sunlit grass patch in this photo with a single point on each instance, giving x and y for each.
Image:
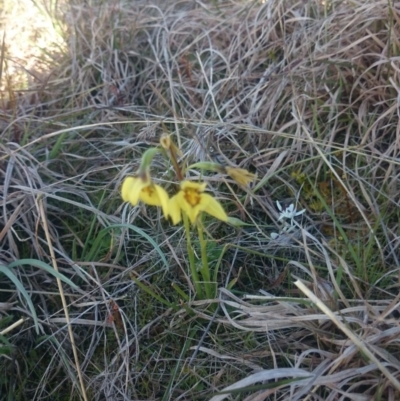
(33, 40)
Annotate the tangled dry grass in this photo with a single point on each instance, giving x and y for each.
(305, 94)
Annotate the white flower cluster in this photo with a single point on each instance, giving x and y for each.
(288, 214)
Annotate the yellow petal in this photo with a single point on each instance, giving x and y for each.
(191, 211)
(149, 196)
(164, 199)
(193, 185)
(155, 195)
(193, 201)
(213, 207)
(135, 190)
(131, 189)
(174, 210)
(126, 187)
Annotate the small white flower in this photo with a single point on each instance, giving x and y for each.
(289, 213)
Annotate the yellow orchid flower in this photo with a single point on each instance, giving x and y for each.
(136, 188)
(192, 200)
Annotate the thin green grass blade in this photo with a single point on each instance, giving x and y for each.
(44, 266)
(6, 348)
(91, 229)
(217, 266)
(56, 148)
(7, 272)
(4, 342)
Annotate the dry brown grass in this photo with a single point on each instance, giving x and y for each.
(304, 94)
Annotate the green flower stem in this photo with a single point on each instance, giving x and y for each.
(208, 166)
(205, 270)
(147, 158)
(192, 259)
